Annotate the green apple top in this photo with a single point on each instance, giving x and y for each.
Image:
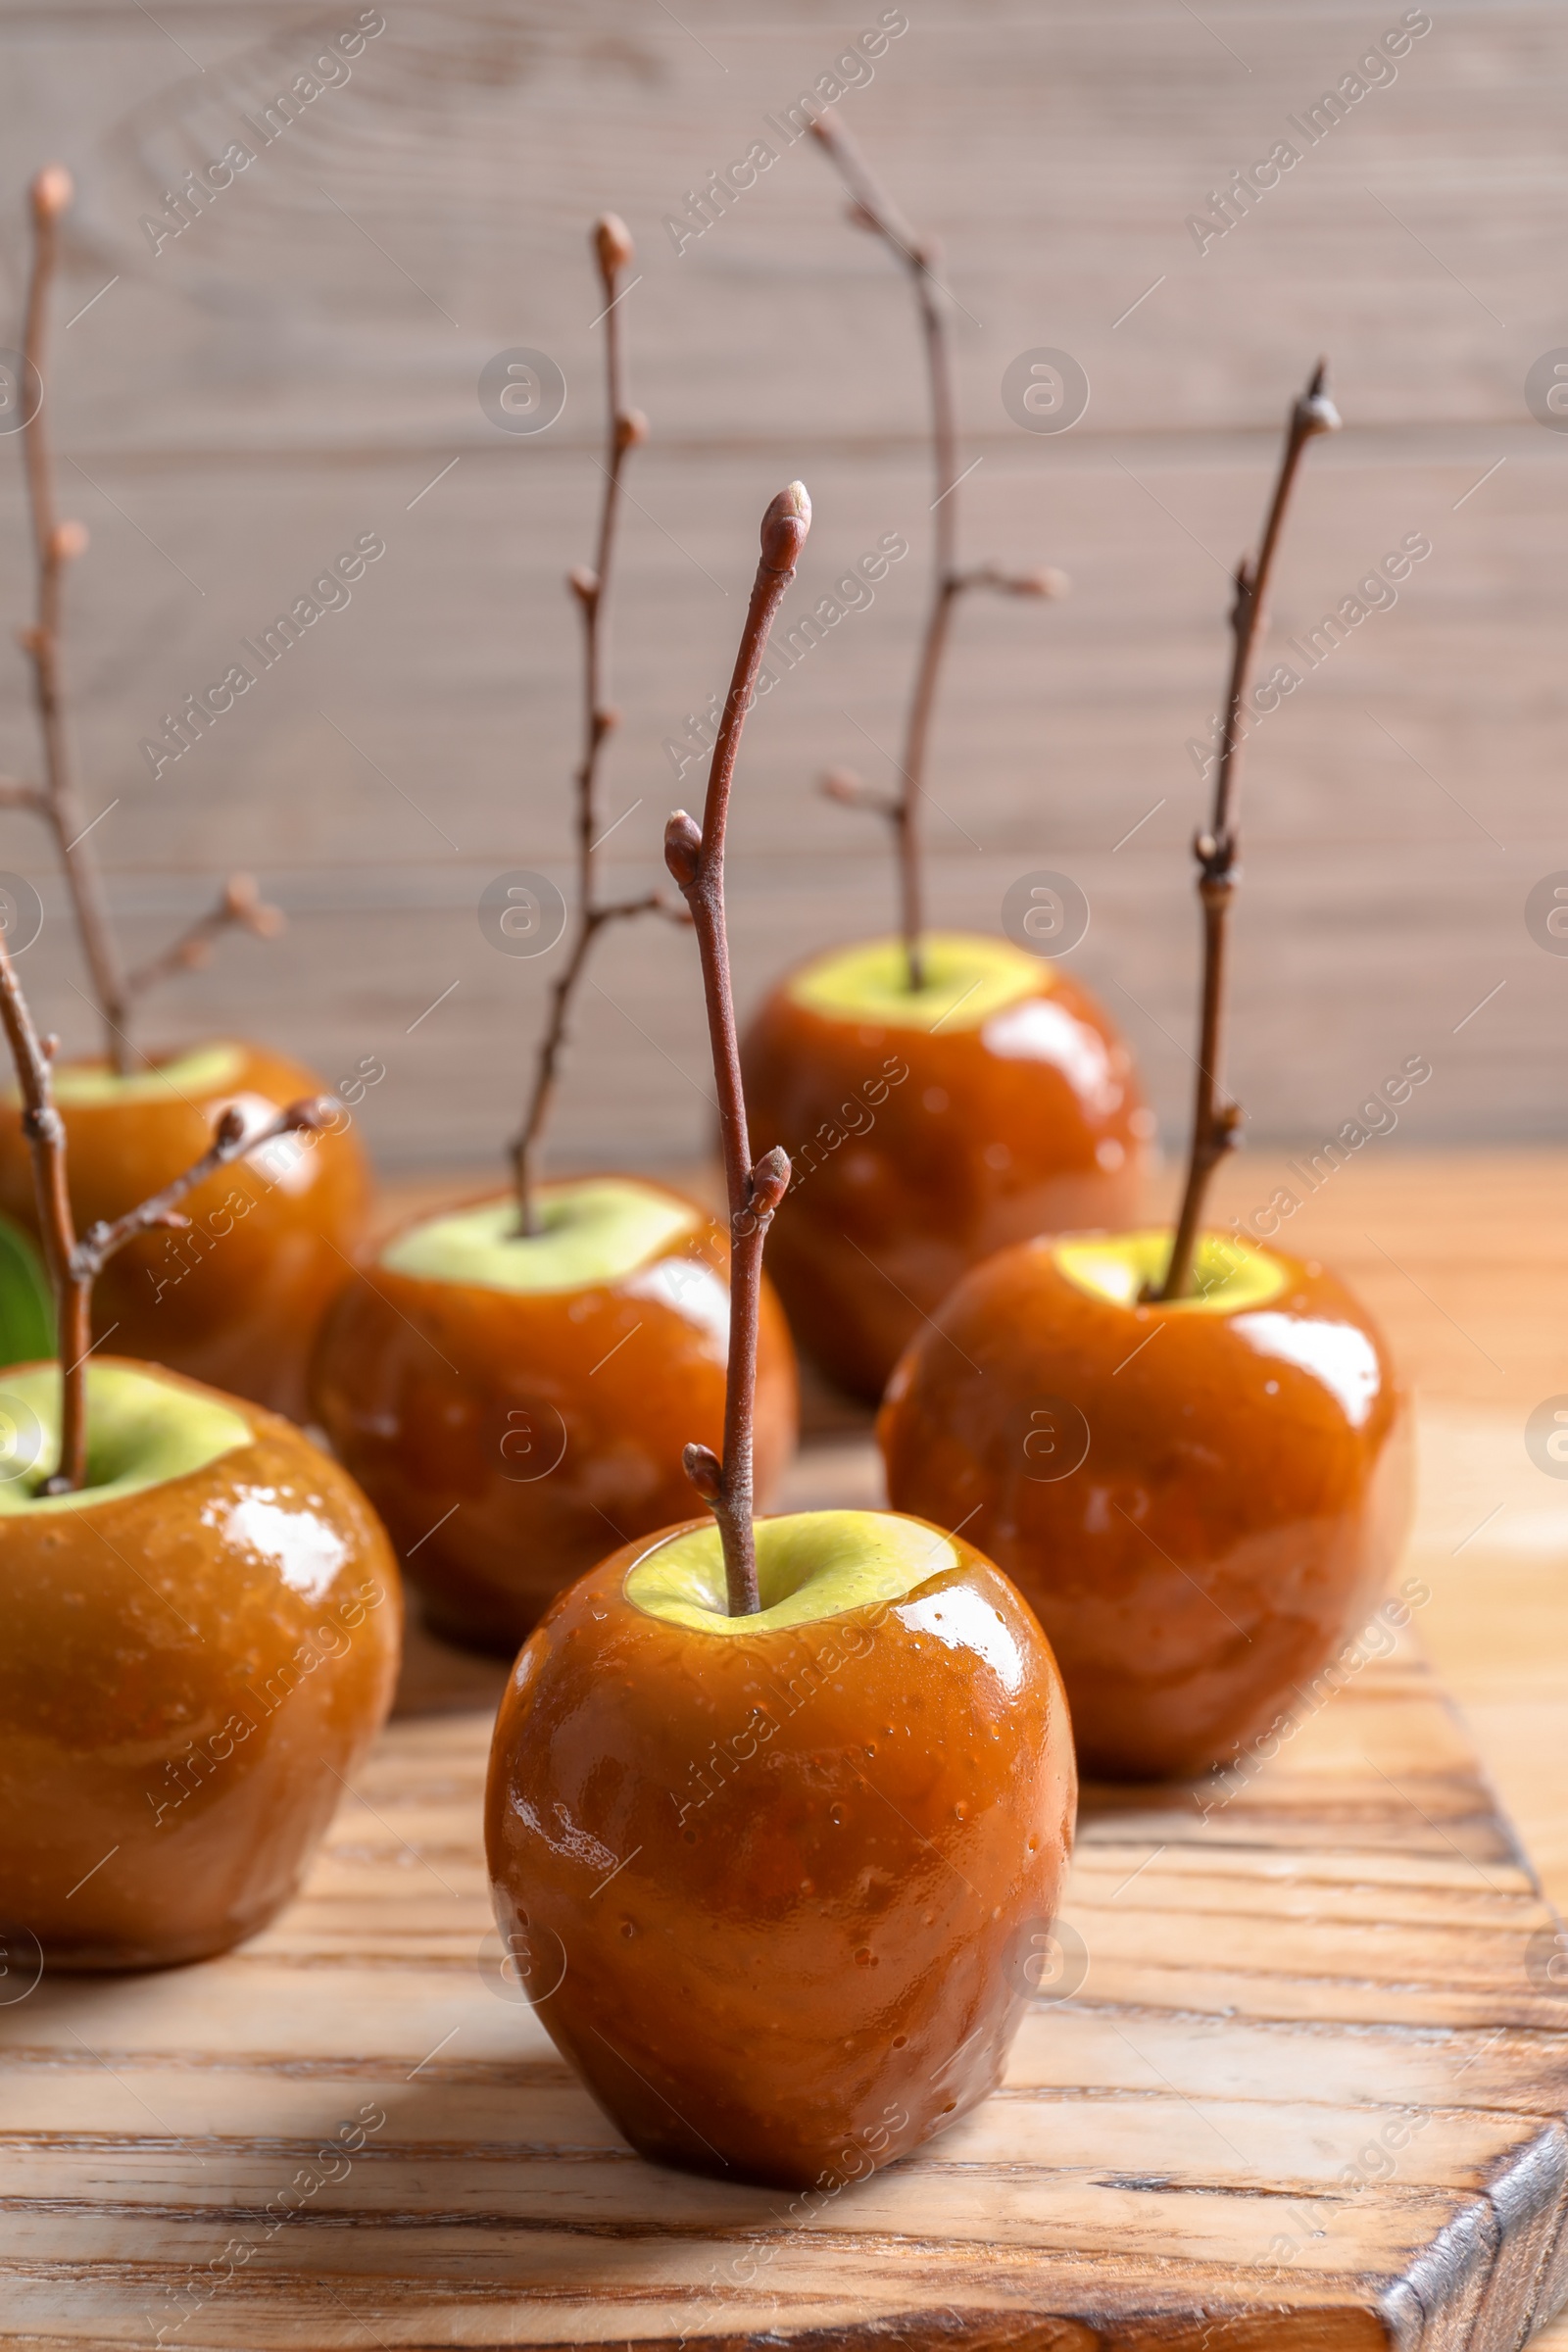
(1121, 1267)
(202, 1071)
(593, 1231)
(967, 979)
(142, 1430)
(810, 1565)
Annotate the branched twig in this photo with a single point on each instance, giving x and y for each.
(871, 208)
(230, 1142)
(76, 1265)
(696, 860)
(241, 908)
(57, 544)
(628, 429)
(1216, 1123)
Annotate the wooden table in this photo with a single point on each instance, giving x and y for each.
(1351, 1946)
(1463, 1257)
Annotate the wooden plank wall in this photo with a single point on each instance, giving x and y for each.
(297, 367)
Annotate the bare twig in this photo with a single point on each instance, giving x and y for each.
(871, 208)
(230, 1142)
(57, 544)
(851, 791)
(75, 1265)
(1216, 1123)
(241, 908)
(696, 860)
(628, 429)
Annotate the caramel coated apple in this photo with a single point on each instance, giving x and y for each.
(1199, 1501)
(199, 1648)
(774, 1882)
(511, 1405)
(236, 1300)
(928, 1130)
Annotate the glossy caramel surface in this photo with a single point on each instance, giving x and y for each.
(236, 1300)
(1243, 1500)
(774, 1898)
(186, 1671)
(506, 1438)
(1028, 1124)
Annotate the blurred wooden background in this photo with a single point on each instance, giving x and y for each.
(301, 363)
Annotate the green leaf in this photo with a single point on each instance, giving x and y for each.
(27, 1308)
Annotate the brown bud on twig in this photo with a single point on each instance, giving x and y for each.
(52, 190)
(313, 1115)
(244, 904)
(230, 1127)
(1042, 581)
(861, 215)
(770, 1181)
(613, 244)
(66, 541)
(583, 583)
(31, 642)
(851, 791)
(1315, 412)
(784, 528)
(1045, 581)
(683, 848)
(702, 1468)
(631, 429)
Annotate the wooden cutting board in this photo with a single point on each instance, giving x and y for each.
(1311, 2088)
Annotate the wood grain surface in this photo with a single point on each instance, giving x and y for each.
(1311, 2088)
(301, 363)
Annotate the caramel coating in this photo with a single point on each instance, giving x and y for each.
(236, 1300)
(1233, 1522)
(186, 1671)
(535, 1427)
(838, 1845)
(919, 1177)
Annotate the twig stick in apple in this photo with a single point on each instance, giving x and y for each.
(56, 545)
(73, 1264)
(1216, 1123)
(871, 208)
(696, 860)
(628, 429)
(240, 906)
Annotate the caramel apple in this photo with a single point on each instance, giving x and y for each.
(1200, 1498)
(202, 1615)
(235, 1296)
(787, 1932)
(776, 1810)
(1190, 1451)
(514, 1379)
(512, 1404)
(941, 1095)
(237, 1301)
(929, 1127)
(201, 1643)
